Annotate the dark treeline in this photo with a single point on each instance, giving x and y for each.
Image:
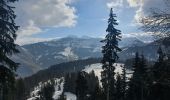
(57, 71)
(85, 85)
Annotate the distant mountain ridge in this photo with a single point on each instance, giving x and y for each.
(37, 56)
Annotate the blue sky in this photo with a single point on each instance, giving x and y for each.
(43, 20)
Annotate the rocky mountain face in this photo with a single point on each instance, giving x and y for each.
(37, 56)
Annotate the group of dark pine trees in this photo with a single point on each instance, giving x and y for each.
(145, 83)
(8, 67)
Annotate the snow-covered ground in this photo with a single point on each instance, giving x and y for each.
(69, 54)
(59, 86)
(97, 68)
(59, 82)
(70, 96)
(58, 89)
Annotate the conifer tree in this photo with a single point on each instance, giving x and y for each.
(81, 86)
(20, 90)
(160, 85)
(138, 84)
(47, 92)
(62, 97)
(119, 87)
(8, 35)
(124, 83)
(97, 94)
(110, 56)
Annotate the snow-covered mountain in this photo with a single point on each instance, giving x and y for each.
(37, 56)
(131, 42)
(64, 50)
(149, 51)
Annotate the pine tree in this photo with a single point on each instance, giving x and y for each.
(119, 87)
(124, 83)
(62, 97)
(160, 80)
(97, 93)
(70, 82)
(7, 46)
(20, 90)
(47, 92)
(138, 84)
(81, 86)
(110, 56)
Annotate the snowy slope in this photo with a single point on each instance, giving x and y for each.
(97, 68)
(57, 83)
(58, 91)
(59, 86)
(70, 96)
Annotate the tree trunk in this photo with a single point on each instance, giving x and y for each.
(1, 93)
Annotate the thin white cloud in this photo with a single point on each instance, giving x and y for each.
(145, 37)
(29, 30)
(115, 4)
(30, 40)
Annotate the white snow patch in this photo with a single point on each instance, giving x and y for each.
(97, 49)
(97, 68)
(38, 57)
(58, 57)
(58, 91)
(59, 83)
(70, 96)
(69, 54)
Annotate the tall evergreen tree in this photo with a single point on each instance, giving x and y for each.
(81, 86)
(124, 83)
(20, 92)
(8, 29)
(119, 95)
(97, 93)
(47, 92)
(62, 97)
(110, 56)
(70, 82)
(138, 84)
(160, 85)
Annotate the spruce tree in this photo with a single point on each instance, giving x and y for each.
(81, 86)
(8, 35)
(62, 97)
(124, 83)
(47, 92)
(97, 93)
(119, 87)
(20, 92)
(110, 56)
(138, 85)
(160, 85)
